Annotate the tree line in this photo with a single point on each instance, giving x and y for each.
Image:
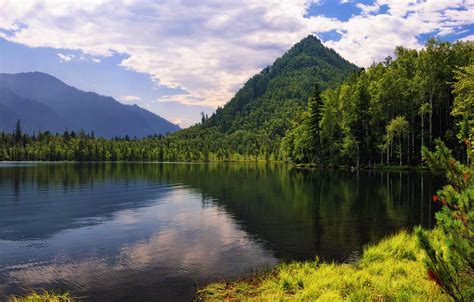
(382, 115)
(387, 113)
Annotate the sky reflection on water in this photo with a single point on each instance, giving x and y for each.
(154, 231)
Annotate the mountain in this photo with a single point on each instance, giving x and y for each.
(155, 121)
(43, 102)
(269, 100)
(33, 115)
(255, 120)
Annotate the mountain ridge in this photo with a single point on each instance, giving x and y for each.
(82, 110)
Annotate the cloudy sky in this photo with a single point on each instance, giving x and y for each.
(178, 58)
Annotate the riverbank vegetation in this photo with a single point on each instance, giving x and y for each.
(391, 270)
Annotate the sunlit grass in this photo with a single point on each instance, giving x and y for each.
(45, 296)
(388, 271)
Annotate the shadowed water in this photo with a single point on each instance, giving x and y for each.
(152, 231)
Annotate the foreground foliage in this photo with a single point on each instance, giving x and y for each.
(45, 296)
(450, 254)
(391, 270)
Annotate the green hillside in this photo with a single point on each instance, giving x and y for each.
(257, 117)
(271, 98)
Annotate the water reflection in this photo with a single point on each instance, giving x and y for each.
(147, 231)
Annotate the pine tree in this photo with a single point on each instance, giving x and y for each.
(449, 248)
(463, 106)
(18, 132)
(315, 104)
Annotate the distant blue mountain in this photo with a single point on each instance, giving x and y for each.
(43, 102)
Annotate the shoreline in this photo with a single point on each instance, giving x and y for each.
(308, 166)
(391, 269)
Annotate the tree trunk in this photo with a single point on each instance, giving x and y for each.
(440, 119)
(358, 156)
(422, 196)
(400, 147)
(388, 153)
(408, 149)
(446, 121)
(422, 130)
(431, 116)
(412, 133)
(391, 149)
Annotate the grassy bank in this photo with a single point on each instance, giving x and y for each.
(388, 271)
(44, 296)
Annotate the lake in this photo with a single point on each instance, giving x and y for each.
(155, 231)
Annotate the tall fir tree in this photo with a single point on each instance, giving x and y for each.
(315, 108)
(18, 132)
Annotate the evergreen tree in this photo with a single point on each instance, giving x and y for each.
(315, 108)
(360, 121)
(463, 106)
(449, 248)
(18, 132)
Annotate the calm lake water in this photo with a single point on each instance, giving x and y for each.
(153, 231)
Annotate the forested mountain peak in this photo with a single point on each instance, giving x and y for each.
(270, 99)
(313, 47)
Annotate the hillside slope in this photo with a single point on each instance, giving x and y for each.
(254, 121)
(269, 100)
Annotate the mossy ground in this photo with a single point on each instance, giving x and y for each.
(388, 271)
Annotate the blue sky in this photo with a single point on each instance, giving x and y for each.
(178, 58)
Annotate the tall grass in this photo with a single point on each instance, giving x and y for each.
(388, 271)
(45, 296)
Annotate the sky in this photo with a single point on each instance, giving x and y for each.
(180, 58)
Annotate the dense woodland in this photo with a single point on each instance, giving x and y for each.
(382, 115)
(385, 114)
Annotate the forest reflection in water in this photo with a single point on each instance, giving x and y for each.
(142, 230)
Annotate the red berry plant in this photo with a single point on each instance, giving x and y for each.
(449, 248)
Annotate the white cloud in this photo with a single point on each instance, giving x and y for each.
(65, 58)
(370, 37)
(468, 38)
(177, 121)
(129, 98)
(210, 48)
(368, 9)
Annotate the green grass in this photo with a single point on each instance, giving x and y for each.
(388, 271)
(45, 296)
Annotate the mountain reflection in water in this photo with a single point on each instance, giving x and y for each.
(141, 231)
